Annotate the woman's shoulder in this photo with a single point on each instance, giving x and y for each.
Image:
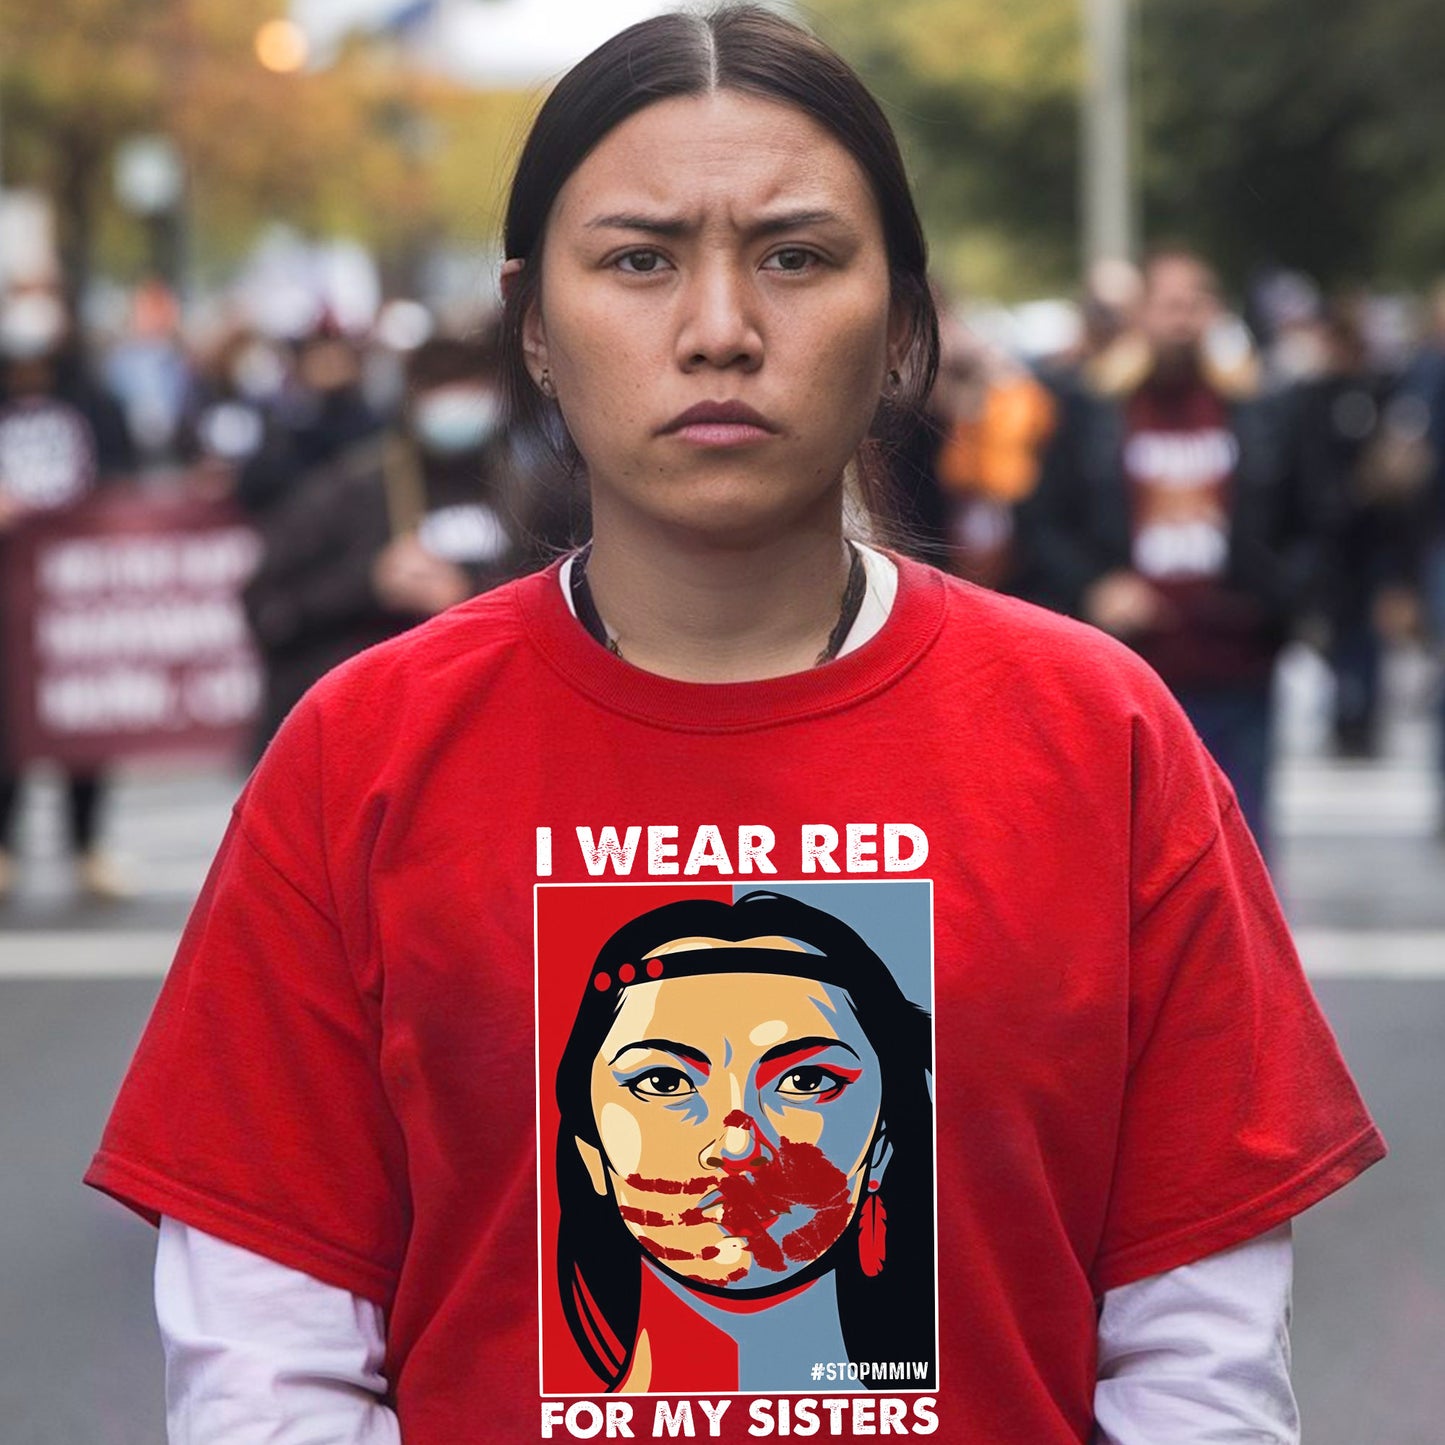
(1039, 651)
(458, 650)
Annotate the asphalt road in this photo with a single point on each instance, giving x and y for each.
(1360, 866)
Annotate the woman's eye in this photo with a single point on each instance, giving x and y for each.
(639, 263)
(810, 1083)
(792, 258)
(661, 1084)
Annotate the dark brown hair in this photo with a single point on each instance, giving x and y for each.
(741, 48)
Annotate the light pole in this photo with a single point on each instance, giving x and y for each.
(1106, 191)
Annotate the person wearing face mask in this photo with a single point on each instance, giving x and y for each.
(397, 530)
(230, 432)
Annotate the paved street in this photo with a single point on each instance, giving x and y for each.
(1361, 869)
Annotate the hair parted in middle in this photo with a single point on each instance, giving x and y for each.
(750, 50)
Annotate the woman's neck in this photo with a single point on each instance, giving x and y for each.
(700, 610)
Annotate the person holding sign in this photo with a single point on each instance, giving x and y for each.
(59, 438)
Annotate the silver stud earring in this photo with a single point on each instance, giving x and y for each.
(545, 384)
(895, 379)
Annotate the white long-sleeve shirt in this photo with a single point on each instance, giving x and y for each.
(260, 1354)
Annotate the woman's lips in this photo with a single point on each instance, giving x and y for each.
(722, 434)
(720, 424)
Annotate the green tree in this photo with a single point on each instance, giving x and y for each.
(1267, 131)
(1285, 131)
(984, 98)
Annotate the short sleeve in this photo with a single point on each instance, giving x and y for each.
(1238, 1110)
(254, 1108)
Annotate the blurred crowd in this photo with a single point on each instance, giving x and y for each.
(1207, 484)
(372, 464)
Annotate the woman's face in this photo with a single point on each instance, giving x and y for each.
(737, 1113)
(716, 249)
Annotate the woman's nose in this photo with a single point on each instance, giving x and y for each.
(737, 1146)
(719, 328)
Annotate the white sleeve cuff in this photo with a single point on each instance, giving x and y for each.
(1201, 1353)
(256, 1352)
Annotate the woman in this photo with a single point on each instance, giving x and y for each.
(669, 1193)
(716, 297)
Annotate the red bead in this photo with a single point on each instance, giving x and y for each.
(654, 968)
(602, 982)
(626, 973)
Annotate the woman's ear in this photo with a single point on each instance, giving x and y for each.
(591, 1157)
(534, 334)
(900, 335)
(510, 277)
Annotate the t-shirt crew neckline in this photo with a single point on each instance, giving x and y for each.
(911, 627)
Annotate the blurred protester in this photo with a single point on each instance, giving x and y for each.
(393, 531)
(1168, 514)
(1363, 461)
(973, 457)
(922, 510)
(229, 425)
(1109, 308)
(1287, 313)
(320, 413)
(60, 437)
(999, 419)
(1423, 389)
(149, 372)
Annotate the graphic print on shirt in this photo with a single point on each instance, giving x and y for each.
(1180, 482)
(736, 1147)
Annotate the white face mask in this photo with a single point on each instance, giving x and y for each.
(257, 372)
(455, 419)
(32, 326)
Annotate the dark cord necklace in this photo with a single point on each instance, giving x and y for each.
(854, 591)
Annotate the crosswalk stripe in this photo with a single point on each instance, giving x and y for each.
(1372, 953)
(87, 953)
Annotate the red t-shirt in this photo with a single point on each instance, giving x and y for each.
(750, 1149)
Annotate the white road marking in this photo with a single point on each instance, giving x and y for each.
(1333, 800)
(81, 953)
(1372, 953)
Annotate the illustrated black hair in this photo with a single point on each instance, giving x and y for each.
(740, 48)
(888, 1316)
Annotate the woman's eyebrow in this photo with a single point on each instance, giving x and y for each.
(674, 226)
(630, 221)
(667, 1046)
(791, 1047)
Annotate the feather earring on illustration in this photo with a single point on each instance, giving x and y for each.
(872, 1232)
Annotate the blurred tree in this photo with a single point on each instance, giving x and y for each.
(1281, 131)
(1269, 130)
(1290, 132)
(364, 148)
(985, 100)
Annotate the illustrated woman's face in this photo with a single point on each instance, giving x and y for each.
(716, 249)
(737, 1114)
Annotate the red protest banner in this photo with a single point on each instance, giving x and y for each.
(123, 632)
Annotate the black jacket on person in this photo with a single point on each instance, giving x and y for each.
(312, 604)
(1078, 524)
